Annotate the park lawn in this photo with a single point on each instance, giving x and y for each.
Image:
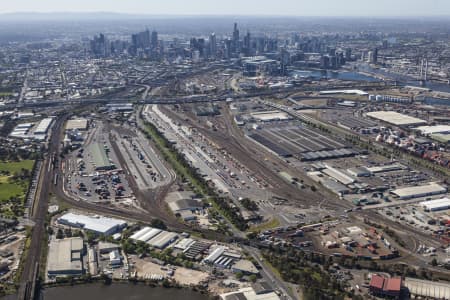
(8, 190)
(14, 167)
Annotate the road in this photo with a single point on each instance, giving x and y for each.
(268, 275)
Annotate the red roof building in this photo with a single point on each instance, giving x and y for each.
(380, 286)
(376, 284)
(392, 287)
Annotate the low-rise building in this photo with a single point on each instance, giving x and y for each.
(96, 224)
(65, 257)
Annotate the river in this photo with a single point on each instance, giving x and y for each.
(118, 292)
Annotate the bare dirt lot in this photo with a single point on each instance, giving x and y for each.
(183, 276)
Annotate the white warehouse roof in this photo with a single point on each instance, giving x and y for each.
(426, 130)
(395, 118)
(437, 204)
(419, 191)
(338, 175)
(163, 239)
(350, 92)
(43, 126)
(97, 224)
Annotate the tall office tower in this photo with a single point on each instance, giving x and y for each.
(100, 46)
(247, 44)
(348, 54)
(324, 62)
(213, 45)
(154, 40)
(331, 51)
(285, 59)
(375, 56)
(228, 48)
(236, 39)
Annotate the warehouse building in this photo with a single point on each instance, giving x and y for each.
(163, 239)
(338, 175)
(436, 205)
(386, 168)
(114, 258)
(65, 257)
(43, 126)
(100, 158)
(419, 191)
(179, 201)
(245, 267)
(77, 124)
(119, 107)
(359, 172)
(145, 234)
(95, 224)
(270, 116)
(396, 118)
(385, 287)
(249, 293)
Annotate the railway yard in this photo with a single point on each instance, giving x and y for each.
(162, 191)
(316, 177)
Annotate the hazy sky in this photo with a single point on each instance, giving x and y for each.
(239, 7)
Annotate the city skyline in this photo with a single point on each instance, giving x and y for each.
(350, 8)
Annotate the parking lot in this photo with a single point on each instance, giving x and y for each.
(86, 180)
(142, 162)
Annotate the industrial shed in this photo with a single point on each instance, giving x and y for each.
(359, 172)
(396, 118)
(77, 124)
(163, 239)
(245, 266)
(43, 126)
(65, 257)
(100, 158)
(145, 234)
(436, 205)
(419, 191)
(96, 224)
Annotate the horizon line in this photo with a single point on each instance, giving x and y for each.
(132, 14)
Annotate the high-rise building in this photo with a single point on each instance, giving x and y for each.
(348, 54)
(324, 62)
(236, 39)
(100, 47)
(213, 45)
(373, 56)
(154, 41)
(247, 45)
(140, 42)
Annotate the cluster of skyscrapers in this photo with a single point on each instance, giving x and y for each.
(275, 54)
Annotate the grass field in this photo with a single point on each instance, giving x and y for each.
(13, 188)
(13, 167)
(8, 190)
(272, 223)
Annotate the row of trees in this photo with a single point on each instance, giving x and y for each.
(187, 172)
(297, 267)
